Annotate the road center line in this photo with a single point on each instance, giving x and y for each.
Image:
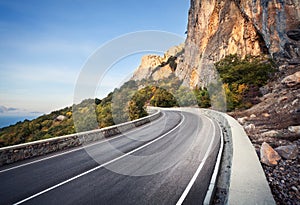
(102, 165)
(76, 149)
(192, 181)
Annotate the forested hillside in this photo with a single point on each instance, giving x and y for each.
(123, 104)
(242, 79)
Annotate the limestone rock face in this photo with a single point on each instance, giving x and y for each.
(271, 133)
(292, 80)
(148, 64)
(288, 151)
(268, 155)
(217, 28)
(60, 118)
(294, 129)
(158, 67)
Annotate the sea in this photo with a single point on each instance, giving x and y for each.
(11, 120)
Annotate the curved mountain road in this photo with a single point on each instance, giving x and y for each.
(168, 161)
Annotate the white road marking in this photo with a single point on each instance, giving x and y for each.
(102, 165)
(209, 193)
(76, 149)
(192, 181)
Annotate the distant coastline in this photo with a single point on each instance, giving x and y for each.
(11, 120)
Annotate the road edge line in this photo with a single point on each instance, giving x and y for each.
(79, 148)
(212, 185)
(98, 167)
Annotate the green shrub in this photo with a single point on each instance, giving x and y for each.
(203, 97)
(250, 70)
(162, 98)
(243, 77)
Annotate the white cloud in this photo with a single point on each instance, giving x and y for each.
(9, 111)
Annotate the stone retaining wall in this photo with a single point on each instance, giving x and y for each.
(19, 152)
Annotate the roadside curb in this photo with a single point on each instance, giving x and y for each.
(29, 150)
(247, 183)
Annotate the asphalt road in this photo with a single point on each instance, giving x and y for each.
(168, 161)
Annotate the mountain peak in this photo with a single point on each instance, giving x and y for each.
(158, 67)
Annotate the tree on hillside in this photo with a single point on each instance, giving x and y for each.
(243, 77)
(163, 98)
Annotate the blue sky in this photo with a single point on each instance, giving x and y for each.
(45, 43)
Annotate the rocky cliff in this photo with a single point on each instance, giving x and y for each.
(217, 28)
(158, 67)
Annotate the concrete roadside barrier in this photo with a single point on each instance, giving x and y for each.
(241, 179)
(20, 152)
(247, 183)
